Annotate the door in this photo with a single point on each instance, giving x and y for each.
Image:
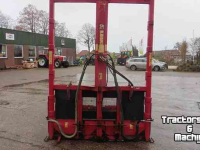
(144, 63)
(139, 63)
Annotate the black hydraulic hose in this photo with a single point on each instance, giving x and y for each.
(80, 81)
(76, 100)
(107, 76)
(121, 75)
(79, 84)
(118, 93)
(117, 87)
(113, 68)
(110, 71)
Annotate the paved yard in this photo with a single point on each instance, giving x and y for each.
(23, 108)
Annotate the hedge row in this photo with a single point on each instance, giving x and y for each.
(188, 67)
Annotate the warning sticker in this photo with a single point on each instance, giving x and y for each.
(101, 42)
(131, 126)
(97, 47)
(50, 58)
(66, 124)
(100, 76)
(150, 59)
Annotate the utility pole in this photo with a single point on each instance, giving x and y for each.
(193, 47)
(154, 42)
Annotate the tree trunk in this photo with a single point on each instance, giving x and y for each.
(89, 48)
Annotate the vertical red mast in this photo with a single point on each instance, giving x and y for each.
(100, 48)
(101, 41)
(51, 111)
(148, 99)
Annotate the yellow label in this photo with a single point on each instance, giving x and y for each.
(50, 58)
(150, 59)
(97, 47)
(100, 76)
(66, 124)
(101, 37)
(101, 48)
(101, 42)
(131, 126)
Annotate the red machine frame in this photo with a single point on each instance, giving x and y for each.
(99, 125)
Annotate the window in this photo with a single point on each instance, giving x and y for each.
(58, 51)
(144, 60)
(3, 51)
(40, 50)
(18, 51)
(32, 52)
(46, 50)
(155, 61)
(137, 60)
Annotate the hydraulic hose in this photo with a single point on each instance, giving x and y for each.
(117, 87)
(113, 68)
(61, 131)
(116, 84)
(76, 101)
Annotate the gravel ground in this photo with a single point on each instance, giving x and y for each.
(23, 108)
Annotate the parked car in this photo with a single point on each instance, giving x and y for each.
(164, 63)
(140, 63)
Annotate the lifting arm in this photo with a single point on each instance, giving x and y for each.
(109, 1)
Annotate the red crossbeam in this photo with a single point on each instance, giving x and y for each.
(74, 1)
(109, 1)
(130, 1)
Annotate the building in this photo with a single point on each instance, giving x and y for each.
(83, 53)
(16, 46)
(135, 51)
(170, 54)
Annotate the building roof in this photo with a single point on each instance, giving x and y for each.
(82, 53)
(169, 52)
(93, 51)
(35, 39)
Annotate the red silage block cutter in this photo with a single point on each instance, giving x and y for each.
(129, 116)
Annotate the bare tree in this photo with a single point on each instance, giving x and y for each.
(123, 47)
(61, 30)
(43, 22)
(195, 47)
(197, 43)
(182, 47)
(86, 36)
(5, 21)
(29, 19)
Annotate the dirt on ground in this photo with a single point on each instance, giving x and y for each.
(23, 108)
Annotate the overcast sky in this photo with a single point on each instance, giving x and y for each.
(174, 20)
